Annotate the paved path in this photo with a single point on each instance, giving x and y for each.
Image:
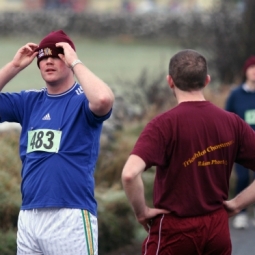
(243, 241)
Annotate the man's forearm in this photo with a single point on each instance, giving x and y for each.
(8, 72)
(100, 96)
(245, 198)
(134, 190)
(133, 184)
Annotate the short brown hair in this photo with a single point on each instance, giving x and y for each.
(188, 70)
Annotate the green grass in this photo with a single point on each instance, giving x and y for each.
(109, 59)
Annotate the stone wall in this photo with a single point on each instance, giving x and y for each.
(149, 25)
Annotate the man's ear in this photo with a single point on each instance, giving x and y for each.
(170, 81)
(207, 80)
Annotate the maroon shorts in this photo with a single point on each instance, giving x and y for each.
(203, 235)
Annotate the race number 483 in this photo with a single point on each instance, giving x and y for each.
(44, 140)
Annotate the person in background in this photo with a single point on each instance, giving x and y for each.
(59, 146)
(193, 146)
(241, 101)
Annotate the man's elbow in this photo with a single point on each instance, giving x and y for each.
(103, 105)
(106, 102)
(128, 176)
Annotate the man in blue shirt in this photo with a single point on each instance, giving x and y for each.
(242, 102)
(59, 146)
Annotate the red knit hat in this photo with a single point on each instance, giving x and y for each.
(249, 62)
(47, 47)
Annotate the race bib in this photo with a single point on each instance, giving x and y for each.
(249, 117)
(43, 140)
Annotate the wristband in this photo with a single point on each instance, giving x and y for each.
(75, 62)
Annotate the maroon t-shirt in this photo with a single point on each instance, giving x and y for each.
(194, 146)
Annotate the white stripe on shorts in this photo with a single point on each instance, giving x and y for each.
(57, 231)
(159, 238)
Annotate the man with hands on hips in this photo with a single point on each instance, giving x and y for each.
(193, 147)
(59, 146)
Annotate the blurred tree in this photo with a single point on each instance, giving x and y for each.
(234, 39)
(248, 27)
